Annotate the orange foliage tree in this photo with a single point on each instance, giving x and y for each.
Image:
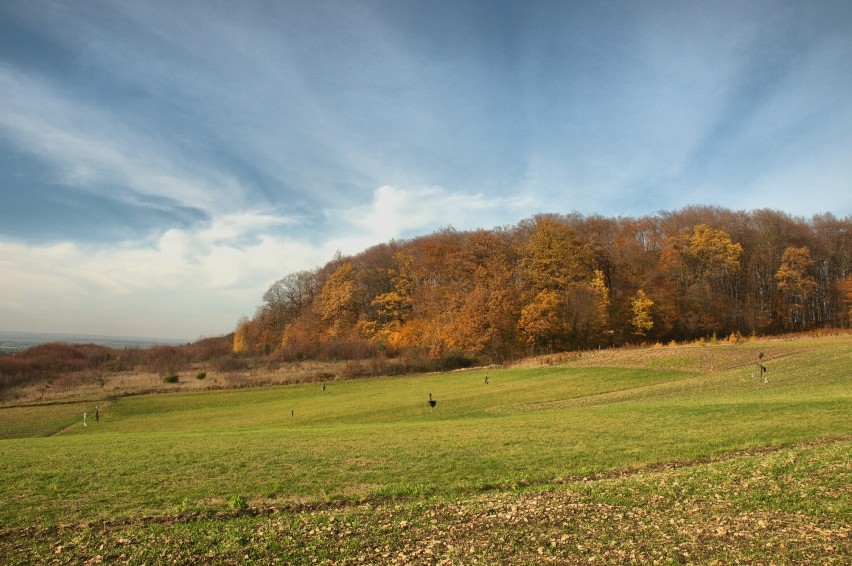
(845, 288)
(484, 302)
(336, 303)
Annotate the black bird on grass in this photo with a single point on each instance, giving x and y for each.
(432, 402)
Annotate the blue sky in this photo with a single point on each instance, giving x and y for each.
(162, 163)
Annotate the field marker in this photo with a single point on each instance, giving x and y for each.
(761, 370)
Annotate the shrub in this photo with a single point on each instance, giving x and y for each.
(354, 369)
(166, 359)
(230, 363)
(183, 506)
(201, 375)
(735, 337)
(207, 349)
(53, 351)
(14, 367)
(451, 361)
(113, 363)
(237, 502)
(394, 367)
(15, 371)
(337, 349)
(170, 378)
(54, 357)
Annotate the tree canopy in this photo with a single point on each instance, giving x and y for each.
(558, 282)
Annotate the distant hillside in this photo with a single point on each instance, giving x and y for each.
(60, 363)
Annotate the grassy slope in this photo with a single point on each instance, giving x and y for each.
(789, 506)
(376, 439)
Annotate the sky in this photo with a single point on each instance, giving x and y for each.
(163, 163)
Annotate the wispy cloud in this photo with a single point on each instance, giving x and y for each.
(94, 151)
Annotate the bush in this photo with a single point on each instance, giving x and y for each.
(201, 375)
(54, 357)
(451, 361)
(15, 371)
(355, 369)
(237, 502)
(338, 349)
(230, 363)
(735, 337)
(207, 349)
(165, 359)
(171, 378)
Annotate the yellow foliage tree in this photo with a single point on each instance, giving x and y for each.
(483, 305)
(303, 334)
(540, 321)
(241, 339)
(601, 292)
(701, 254)
(700, 263)
(555, 257)
(795, 283)
(394, 307)
(336, 303)
(640, 308)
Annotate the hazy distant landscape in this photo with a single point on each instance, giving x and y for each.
(18, 341)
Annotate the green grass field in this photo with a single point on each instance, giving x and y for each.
(616, 445)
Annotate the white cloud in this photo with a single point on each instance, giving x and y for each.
(402, 212)
(185, 283)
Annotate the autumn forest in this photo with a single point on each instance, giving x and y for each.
(564, 282)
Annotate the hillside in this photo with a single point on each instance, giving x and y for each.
(669, 453)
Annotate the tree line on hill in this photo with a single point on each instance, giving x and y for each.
(562, 282)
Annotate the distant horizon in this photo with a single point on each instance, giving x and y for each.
(14, 340)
